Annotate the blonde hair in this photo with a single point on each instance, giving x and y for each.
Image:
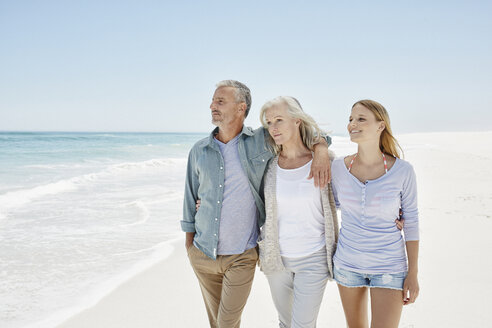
(309, 130)
(387, 142)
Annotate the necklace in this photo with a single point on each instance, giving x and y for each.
(384, 161)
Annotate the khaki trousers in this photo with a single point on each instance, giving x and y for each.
(225, 284)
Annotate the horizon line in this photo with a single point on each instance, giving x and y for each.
(207, 132)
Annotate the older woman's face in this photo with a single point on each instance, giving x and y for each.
(281, 126)
(363, 124)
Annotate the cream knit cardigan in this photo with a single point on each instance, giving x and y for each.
(270, 259)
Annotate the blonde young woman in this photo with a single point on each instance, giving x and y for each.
(370, 187)
(298, 239)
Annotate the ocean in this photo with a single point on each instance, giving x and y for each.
(82, 212)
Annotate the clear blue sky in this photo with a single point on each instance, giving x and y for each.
(152, 65)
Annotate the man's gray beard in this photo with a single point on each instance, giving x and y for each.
(214, 122)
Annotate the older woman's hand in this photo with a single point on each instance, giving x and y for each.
(400, 221)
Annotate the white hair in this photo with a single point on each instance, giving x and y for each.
(309, 130)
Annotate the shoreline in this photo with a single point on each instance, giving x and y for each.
(139, 300)
(93, 296)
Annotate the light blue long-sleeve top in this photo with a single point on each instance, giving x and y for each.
(369, 241)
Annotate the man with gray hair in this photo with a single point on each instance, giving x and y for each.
(225, 172)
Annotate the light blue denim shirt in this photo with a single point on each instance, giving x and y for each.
(205, 181)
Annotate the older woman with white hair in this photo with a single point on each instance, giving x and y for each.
(300, 233)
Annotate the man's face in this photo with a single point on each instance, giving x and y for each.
(225, 109)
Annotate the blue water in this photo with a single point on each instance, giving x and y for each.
(20, 152)
(77, 210)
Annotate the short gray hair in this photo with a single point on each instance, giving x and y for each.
(243, 94)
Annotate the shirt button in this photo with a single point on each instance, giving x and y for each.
(216, 219)
(220, 186)
(262, 160)
(221, 167)
(215, 234)
(218, 202)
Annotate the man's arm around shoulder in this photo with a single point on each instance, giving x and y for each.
(321, 166)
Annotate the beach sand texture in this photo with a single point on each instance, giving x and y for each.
(455, 199)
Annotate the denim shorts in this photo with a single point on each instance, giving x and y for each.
(374, 280)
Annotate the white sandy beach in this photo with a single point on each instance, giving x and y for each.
(454, 181)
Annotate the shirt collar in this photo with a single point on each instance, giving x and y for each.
(246, 130)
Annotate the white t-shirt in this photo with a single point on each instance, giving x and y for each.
(301, 223)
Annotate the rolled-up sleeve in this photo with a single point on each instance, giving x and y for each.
(328, 139)
(190, 195)
(409, 206)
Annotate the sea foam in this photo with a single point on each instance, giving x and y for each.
(21, 197)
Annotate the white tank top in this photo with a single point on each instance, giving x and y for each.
(301, 223)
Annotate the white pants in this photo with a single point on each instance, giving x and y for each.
(298, 290)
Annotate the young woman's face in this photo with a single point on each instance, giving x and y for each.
(281, 126)
(363, 125)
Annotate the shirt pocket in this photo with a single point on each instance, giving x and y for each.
(259, 163)
(389, 207)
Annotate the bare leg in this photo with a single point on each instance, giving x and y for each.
(386, 306)
(354, 301)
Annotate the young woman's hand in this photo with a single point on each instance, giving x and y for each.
(410, 289)
(197, 206)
